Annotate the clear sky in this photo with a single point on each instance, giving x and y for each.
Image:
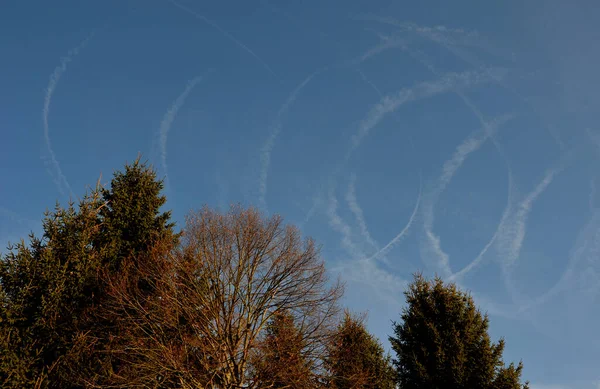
(457, 138)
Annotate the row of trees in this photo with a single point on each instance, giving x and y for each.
(113, 296)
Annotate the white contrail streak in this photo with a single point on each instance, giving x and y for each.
(352, 202)
(167, 122)
(59, 178)
(402, 233)
(513, 234)
(471, 144)
(584, 253)
(265, 152)
(338, 224)
(423, 90)
(225, 33)
(505, 214)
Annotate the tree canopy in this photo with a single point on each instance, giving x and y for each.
(442, 341)
(111, 295)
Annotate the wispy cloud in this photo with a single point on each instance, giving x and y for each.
(382, 252)
(60, 180)
(446, 83)
(357, 211)
(265, 152)
(513, 233)
(225, 33)
(505, 215)
(582, 274)
(167, 122)
(355, 268)
(471, 144)
(338, 224)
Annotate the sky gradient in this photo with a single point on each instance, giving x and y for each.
(454, 138)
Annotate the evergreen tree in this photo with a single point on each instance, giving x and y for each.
(131, 229)
(356, 359)
(44, 287)
(132, 221)
(443, 342)
(50, 288)
(280, 361)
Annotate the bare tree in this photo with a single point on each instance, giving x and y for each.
(195, 316)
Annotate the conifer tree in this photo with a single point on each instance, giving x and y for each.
(51, 287)
(356, 359)
(44, 287)
(280, 361)
(442, 342)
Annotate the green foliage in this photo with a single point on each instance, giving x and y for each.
(132, 221)
(45, 285)
(443, 342)
(356, 359)
(50, 287)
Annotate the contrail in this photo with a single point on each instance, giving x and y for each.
(59, 178)
(352, 202)
(385, 284)
(423, 90)
(513, 234)
(586, 249)
(401, 234)
(390, 103)
(505, 214)
(225, 33)
(471, 144)
(265, 152)
(167, 121)
(338, 224)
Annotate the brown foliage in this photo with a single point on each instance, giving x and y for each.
(191, 317)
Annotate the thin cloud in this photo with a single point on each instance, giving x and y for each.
(385, 284)
(169, 118)
(265, 152)
(513, 233)
(225, 33)
(446, 83)
(471, 144)
(357, 211)
(382, 252)
(505, 214)
(338, 224)
(60, 180)
(583, 261)
(489, 129)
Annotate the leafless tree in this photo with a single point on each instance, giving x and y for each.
(193, 317)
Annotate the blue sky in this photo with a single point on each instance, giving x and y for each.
(457, 138)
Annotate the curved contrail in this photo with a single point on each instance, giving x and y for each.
(169, 117)
(406, 228)
(471, 144)
(225, 33)
(505, 214)
(59, 178)
(391, 103)
(352, 202)
(265, 152)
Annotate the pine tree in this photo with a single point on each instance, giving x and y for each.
(356, 359)
(44, 286)
(132, 220)
(442, 342)
(132, 227)
(50, 288)
(280, 361)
